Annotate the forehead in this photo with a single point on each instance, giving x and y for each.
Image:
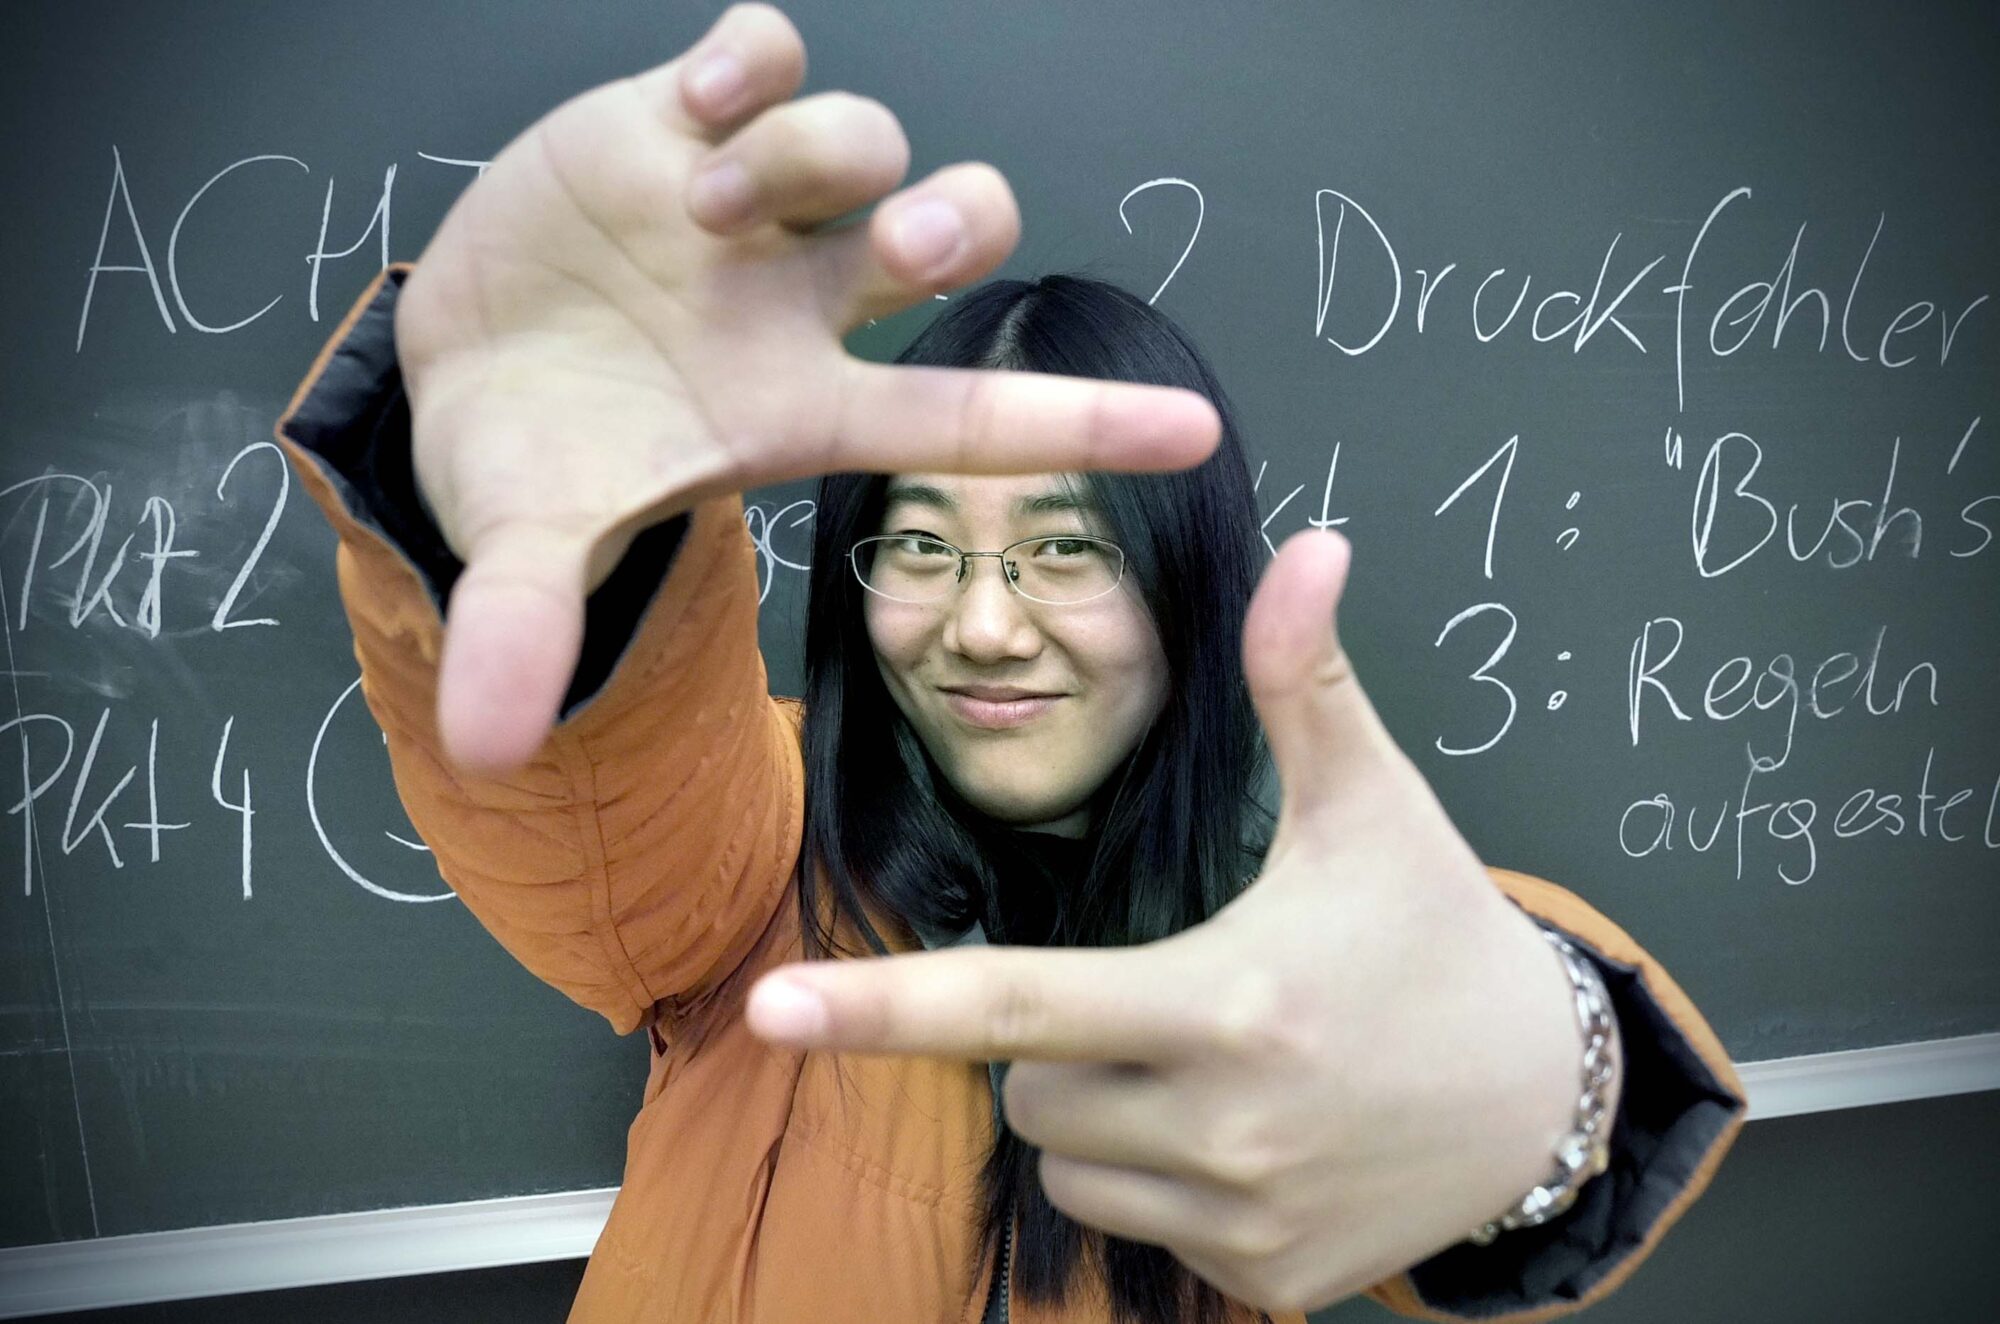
(997, 495)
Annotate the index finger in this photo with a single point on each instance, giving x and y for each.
(987, 1004)
(919, 418)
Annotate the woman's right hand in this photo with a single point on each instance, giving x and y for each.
(593, 342)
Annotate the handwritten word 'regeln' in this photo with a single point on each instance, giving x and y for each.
(1739, 685)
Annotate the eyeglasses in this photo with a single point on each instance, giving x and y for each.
(1059, 570)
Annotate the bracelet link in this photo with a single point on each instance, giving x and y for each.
(1585, 1152)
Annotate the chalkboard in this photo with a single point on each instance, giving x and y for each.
(1644, 353)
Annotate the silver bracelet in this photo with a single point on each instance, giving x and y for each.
(1586, 1151)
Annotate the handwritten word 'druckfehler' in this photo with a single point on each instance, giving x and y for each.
(1769, 309)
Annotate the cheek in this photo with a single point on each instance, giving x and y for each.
(1144, 656)
(884, 633)
(1129, 665)
(1149, 685)
(897, 639)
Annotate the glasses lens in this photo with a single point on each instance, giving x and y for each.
(909, 568)
(1065, 569)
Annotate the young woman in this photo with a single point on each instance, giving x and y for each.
(1258, 1063)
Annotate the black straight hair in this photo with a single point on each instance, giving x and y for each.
(1178, 827)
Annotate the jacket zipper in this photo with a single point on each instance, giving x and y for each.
(1006, 1261)
(994, 1076)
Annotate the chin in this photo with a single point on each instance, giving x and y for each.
(1014, 811)
(1012, 805)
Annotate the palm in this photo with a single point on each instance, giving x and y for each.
(1366, 1052)
(581, 353)
(590, 348)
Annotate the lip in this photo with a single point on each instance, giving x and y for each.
(999, 693)
(996, 714)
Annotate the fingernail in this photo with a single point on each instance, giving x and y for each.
(784, 1008)
(929, 233)
(717, 82)
(721, 193)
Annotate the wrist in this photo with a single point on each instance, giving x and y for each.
(1581, 1087)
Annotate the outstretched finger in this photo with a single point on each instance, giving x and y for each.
(800, 163)
(993, 1004)
(751, 57)
(513, 632)
(954, 226)
(904, 418)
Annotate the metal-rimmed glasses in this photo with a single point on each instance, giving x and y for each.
(1059, 569)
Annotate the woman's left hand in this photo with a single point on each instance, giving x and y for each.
(1363, 1056)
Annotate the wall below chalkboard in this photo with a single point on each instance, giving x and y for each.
(1851, 1217)
(232, 1263)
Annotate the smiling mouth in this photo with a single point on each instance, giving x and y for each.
(999, 714)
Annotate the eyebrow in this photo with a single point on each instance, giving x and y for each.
(1041, 503)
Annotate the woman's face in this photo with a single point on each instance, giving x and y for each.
(1102, 657)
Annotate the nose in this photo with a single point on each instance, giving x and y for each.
(988, 621)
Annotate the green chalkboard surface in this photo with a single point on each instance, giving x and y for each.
(1646, 353)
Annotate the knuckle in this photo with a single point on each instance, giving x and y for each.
(757, 23)
(1259, 1239)
(833, 138)
(974, 415)
(984, 196)
(1258, 1015)
(863, 113)
(1055, 1175)
(1019, 1014)
(1094, 424)
(1334, 671)
(782, 134)
(774, 39)
(1289, 1286)
(984, 175)
(863, 128)
(1238, 1150)
(1017, 1100)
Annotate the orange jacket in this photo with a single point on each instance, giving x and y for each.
(641, 864)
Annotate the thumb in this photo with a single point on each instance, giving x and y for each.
(1319, 723)
(513, 632)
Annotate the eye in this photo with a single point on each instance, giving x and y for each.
(1067, 548)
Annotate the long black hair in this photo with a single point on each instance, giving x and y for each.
(1178, 827)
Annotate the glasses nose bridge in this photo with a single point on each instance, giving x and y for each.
(964, 579)
(965, 567)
